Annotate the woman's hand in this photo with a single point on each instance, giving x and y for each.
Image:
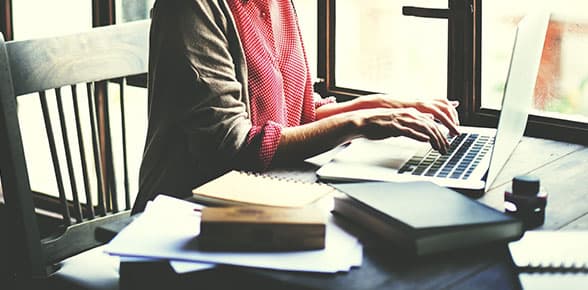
(442, 110)
(381, 123)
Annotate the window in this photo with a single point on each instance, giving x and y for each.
(25, 19)
(559, 111)
(369, 46)
(378, 49)
(562, 85)
(33, 18)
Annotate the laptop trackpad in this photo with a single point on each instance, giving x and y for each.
(389, 153)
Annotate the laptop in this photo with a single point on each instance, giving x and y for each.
(476, 156)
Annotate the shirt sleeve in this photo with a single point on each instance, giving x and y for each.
(212, 110)
(264, 141)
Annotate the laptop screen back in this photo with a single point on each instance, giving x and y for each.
(519, 90)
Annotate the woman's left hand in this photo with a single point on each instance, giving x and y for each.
(442, 110)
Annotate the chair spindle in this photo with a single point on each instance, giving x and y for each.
(124, 145)
(54, 158)
(68, 157)
(81, 145)
(92, 107)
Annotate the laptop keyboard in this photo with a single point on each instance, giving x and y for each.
(464, 154)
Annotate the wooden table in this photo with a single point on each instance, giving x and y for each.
(563, 170)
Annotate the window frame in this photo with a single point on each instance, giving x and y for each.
(326, 55)
(6, 23)
(456, 66)
(103, 12)
(464, 63)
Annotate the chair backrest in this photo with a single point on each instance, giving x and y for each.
(82, 66)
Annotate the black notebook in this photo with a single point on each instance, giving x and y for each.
(422, 217)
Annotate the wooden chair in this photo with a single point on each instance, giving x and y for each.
(82, 66)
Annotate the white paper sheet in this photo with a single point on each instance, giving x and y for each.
(182, 267)
(168, 229)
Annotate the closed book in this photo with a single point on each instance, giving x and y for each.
(257, 228)
(424, 218)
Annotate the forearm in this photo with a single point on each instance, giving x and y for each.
(363, 102)
(301, 142)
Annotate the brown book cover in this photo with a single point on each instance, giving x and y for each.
(257, 228)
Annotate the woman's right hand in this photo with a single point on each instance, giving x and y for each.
(380, 123)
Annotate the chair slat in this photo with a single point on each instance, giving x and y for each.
(92, 108)
(124, 145)
(82, 151)
(54, 158)
(110, 173)
(77, 214)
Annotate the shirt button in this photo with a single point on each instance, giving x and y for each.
(263, 14)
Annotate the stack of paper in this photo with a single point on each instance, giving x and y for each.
(169, 227)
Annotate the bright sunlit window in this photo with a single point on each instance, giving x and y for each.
(378, 49)
(35, 18)
(562, 85)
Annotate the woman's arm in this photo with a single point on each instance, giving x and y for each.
(300, 142)
(442, 110)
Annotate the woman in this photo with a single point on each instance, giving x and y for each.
(229, 88)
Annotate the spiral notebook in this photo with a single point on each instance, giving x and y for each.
(244, 188)
(551, 251)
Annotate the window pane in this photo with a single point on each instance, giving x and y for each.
(132, 10)
(562, 84)
(379, 49)
(307, 18)
(35, 18)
